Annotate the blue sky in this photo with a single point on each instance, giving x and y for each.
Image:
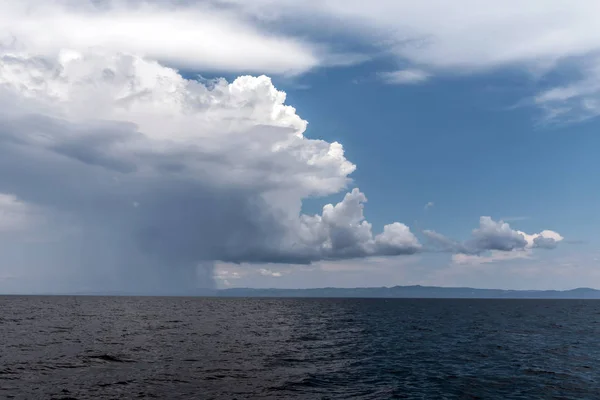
(156, 150)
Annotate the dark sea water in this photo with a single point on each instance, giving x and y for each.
(199, 348)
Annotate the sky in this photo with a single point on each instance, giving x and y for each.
(166, 147)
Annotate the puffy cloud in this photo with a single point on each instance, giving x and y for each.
(342, 232)
(492, 235)
(495, 236)
(156, 176)
(396, 239)
(546, 239)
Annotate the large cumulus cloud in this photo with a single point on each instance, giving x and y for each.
(153, 174)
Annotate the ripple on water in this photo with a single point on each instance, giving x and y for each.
(176, 348)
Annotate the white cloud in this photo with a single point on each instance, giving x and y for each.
(546, 239)
(224, 274)
(429, 205)
(268, 272)
(194, 35)
(478, 34)
(495, 236)
(405, 76)
(342, 232)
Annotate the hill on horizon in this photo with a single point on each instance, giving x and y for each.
(414, 291)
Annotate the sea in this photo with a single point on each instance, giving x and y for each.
(84, 347)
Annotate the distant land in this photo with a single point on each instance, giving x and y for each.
(416, 291)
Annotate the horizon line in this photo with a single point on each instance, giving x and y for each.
(207, 292)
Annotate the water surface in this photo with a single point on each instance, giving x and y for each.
(202, 348)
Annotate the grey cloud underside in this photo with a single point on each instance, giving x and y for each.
(496, 240)
(179, 220)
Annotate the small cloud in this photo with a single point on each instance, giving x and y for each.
(429, 205)
(268, 272)
(224, 275)
(494, 236)
(405, 76)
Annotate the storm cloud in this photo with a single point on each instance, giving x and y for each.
(153, 174)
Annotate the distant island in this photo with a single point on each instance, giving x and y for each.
(409, 292)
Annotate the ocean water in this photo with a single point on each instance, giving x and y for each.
(202, 348)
